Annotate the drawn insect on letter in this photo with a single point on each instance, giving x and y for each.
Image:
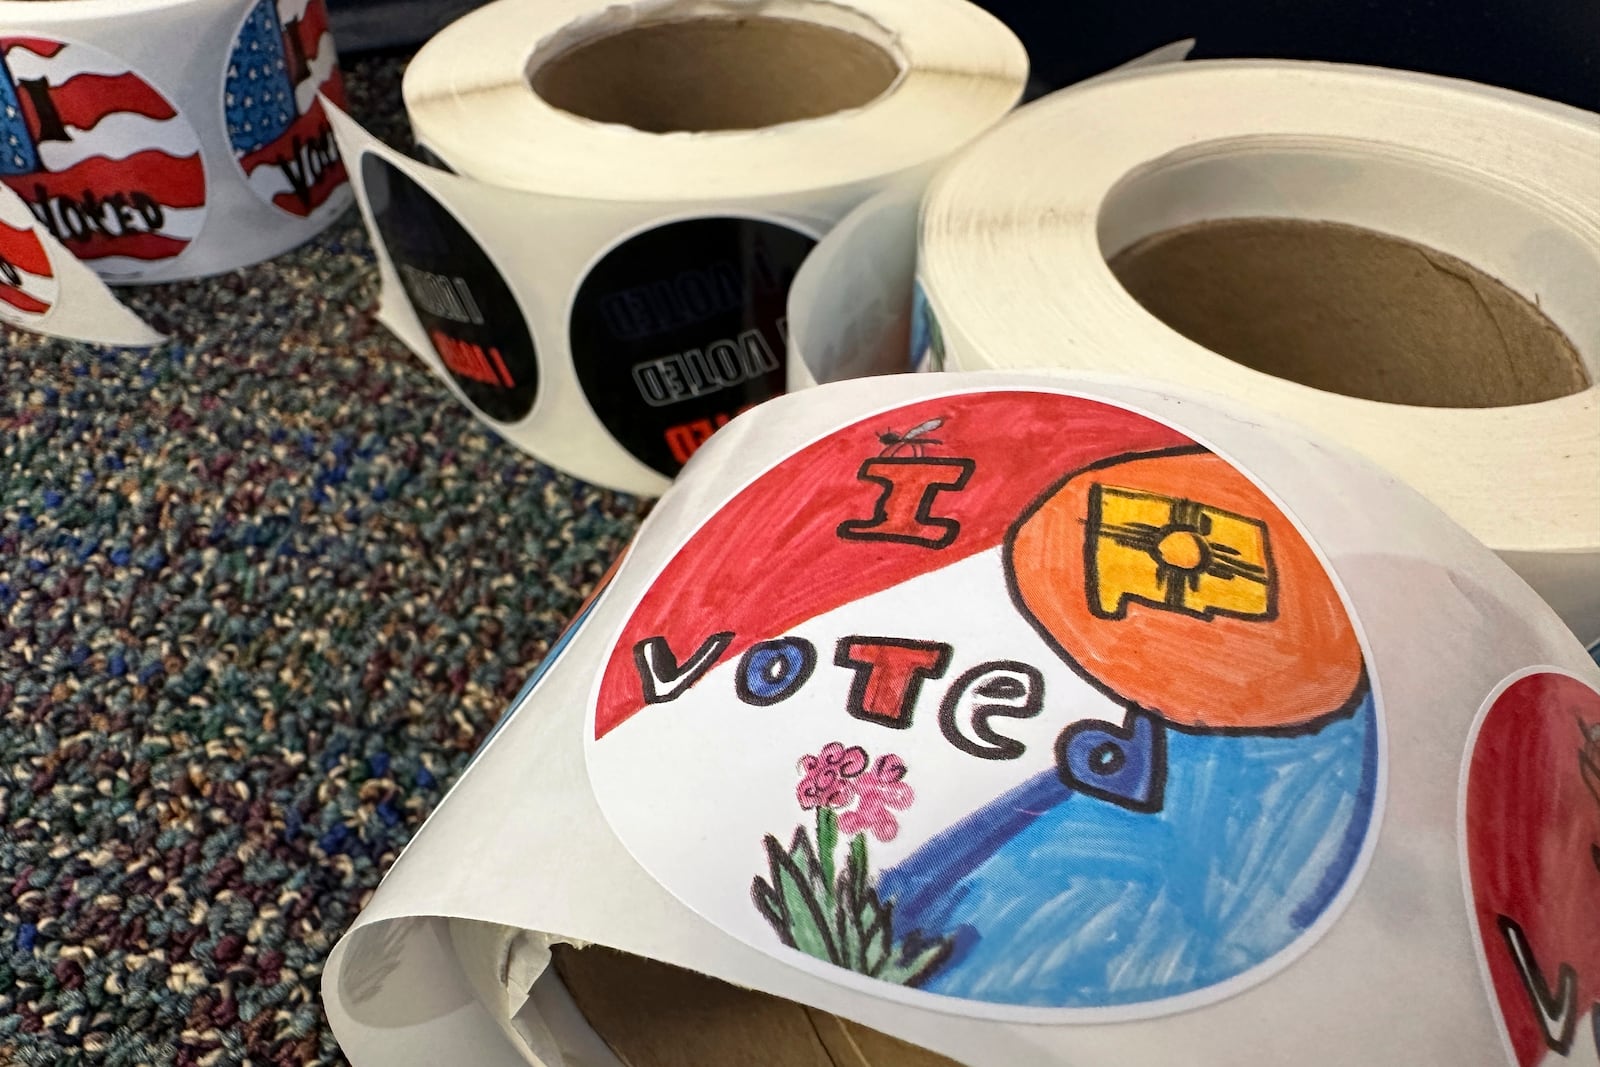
(914, 440)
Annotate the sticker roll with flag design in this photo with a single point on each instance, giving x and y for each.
(1011, 718)
(146, 170)
(598, 265)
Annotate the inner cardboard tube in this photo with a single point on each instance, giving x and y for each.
(656, 1015)
(1352, 311)
(715, 73)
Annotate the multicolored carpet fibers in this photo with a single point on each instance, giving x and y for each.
(262, 591)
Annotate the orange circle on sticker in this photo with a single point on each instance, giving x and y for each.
(1172, 583)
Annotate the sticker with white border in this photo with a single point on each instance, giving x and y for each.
(282, 58)
(1009, 704)
(1530, 855)
(106, 163)
(677, 329)
(472, 319)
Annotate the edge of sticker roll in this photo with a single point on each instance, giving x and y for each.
(1396, 152)
(961, 70)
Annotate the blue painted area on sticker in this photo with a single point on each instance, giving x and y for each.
(1056, 898)
(18, 153)
(259, 99)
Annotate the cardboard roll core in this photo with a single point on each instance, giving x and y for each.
(1353, 311)
(652, 1014)
(715, 73)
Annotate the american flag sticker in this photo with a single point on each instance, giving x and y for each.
(282, 58)
(28, 285)
(105, 162)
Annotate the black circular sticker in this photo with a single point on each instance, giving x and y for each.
(678, 329)
(473, 321)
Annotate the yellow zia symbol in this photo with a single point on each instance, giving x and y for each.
(1176, 555)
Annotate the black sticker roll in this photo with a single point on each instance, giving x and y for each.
(472, 320)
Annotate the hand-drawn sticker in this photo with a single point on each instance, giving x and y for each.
(104, 161)
(282, 57)
(28, 284)
(473, 321)
(678, 329)
(1008, 704)
(1530, 853)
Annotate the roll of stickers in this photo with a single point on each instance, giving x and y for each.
(148, 170)
(1023, 719)
(603, 278)
(1404, 264)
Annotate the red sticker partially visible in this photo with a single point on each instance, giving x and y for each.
(28, 286)
(1531, 846)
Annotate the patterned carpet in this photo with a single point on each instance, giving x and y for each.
(262, 591)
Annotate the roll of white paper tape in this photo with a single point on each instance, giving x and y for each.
(851, 305)
(1402, 263)
(147, 169)
(603, 279)
(1033, 720)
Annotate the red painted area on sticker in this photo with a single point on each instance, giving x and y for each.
(310, 27)
(790, 520)
(22, 301)
(39, 46)
(175, 182)
(307, 156)
(23, 250)
(1533, 855)
(85, 100)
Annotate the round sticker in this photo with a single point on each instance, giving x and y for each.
(1007, 704)
(282, 58)
(678, 329)
(471, 318)
(104, 161)
(1530, 839)
(28, 285)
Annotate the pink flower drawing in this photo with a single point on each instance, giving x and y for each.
(825, 779)
(878, 791)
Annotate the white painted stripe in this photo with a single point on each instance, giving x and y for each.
(118, 137)
(183, 222)
(13, 212)
(291, 9)
(268, 181)
(321, 67)
(41, 287)
(66, 64)
(36, 284)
